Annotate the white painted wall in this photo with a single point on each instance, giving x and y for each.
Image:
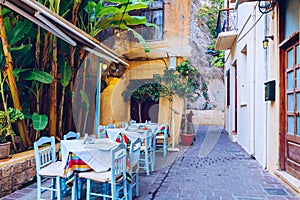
(257, 119)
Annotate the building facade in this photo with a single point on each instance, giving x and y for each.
(169, 45)
(262, 74)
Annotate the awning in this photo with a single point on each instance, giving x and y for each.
(47, 19)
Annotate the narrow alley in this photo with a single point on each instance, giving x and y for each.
(214, 168)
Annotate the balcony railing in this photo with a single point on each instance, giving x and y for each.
(226, 29)
(227, 20)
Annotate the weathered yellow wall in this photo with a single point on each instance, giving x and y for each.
(115, 110)
(176, 33)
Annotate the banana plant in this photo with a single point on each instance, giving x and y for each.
(17, 33)
(66, 73)
(87, 107)
(37, 78)
(115, 13)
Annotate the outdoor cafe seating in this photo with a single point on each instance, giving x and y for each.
(94, 160)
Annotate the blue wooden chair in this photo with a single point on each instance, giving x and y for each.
(161, 139)
(125, 124)
(72, 135)
(48, 168)
(115, 178)
(132, 122)
(134, 157)
(147, 151)
(111, 126)
(77, 182)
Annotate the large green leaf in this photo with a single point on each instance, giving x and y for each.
(66, 73)
(85, 99)
(17, 71)
(34, 75)
(141, 40)
(19, 31)
(39, 121)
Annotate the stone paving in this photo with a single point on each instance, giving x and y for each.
(212, 168)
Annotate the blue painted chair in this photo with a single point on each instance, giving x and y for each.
(115, 178)
(147, 151)
(125, 124)
(132, 122)
(48, 168)
(72, 135)
(111, 126)
(77, 182)
(161, 139)
(134, 157)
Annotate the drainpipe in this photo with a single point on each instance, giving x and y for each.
(266, 104)
(253, 96)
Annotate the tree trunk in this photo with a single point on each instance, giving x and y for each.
(12, 83)
(53, 91)
(61, 108)
(140, 112)
(72, 58)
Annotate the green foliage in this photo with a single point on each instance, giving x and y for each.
(209, 13)
(39, 121)
(185, 81)
(104, 14)
(6, 119)
(35, 75)
(66, 74)
(141, 90)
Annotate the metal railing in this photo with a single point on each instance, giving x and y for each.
(227, 20)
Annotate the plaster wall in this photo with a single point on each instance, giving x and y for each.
(115, 110)
(257, 119)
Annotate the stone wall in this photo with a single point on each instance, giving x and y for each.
(16, 172)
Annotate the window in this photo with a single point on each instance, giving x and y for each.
(154, 14)
(291, 17)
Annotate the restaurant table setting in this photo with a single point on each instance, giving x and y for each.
(79, 155)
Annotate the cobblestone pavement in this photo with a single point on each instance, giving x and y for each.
(212, 168)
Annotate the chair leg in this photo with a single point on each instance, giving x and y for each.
(74, 188)
(137, 184)
(165, 149)
(58, 188)
(147, 164)
(39, 184)
(80, 183)
(88, 189)
(53, 184)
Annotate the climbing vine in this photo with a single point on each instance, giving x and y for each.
(209, 13)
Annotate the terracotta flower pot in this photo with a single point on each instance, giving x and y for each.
(187, 139)
(4, 150)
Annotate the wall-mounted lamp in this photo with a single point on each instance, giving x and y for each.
(266, 41)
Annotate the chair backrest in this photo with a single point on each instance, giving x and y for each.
(111, 126)
(149, 140)
(125, 124)
(44, 156)
(132, 121)
(71, 135)
(118, 162)
(101, 131)
(134, 155)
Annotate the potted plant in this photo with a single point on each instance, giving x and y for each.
(7, 117)
(186, 82)
(187, 130)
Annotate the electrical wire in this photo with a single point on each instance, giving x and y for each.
(250, 28)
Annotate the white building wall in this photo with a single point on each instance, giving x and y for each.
(257, 121)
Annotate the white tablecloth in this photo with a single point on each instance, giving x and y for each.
(97, 155)
(114, 132)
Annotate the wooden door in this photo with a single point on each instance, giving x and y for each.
(290, 139)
